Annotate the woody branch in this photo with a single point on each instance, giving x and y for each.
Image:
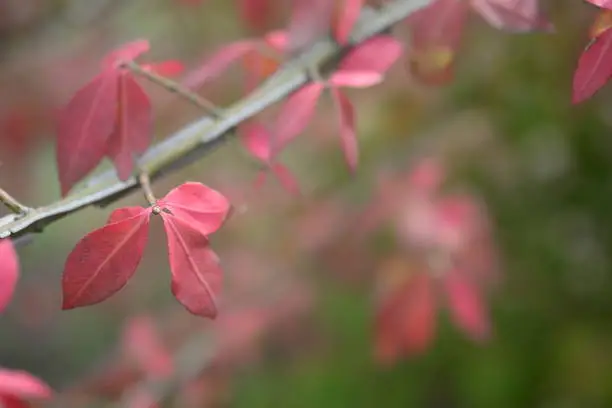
(201, 136)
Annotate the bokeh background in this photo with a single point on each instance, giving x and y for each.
(297, 324)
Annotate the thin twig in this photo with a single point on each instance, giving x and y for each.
(201, 136)
(12, 204)
(176, 88)
(145, 184)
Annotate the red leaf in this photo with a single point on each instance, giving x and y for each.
(349, 14)
(196, 274)
(255, 12)
(22, 385)
(594, 67)
(9, 271)
(406, 322)
(601, 3)
(84, 127)
(347, 128)
(355, 79)
(216, 64)
(309, 21)
(256, 139)
(376, 54)
(466, 306)
(127, 52)
(296, 113)
(141, 342)
(201, 207)
(512, 15)
(286, 179)
(166, 68)
(133, 127)
(105, 259)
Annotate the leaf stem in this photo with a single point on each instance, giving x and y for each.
(176, 88)
(145, 184)
(12, 204)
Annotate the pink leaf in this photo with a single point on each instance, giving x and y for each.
(196, 275)
(255, 12)
(277, 40)
(347, 128)
(309, 21)
(169, 68)
(466, 306)
(104, 260)
(256, 139)
(202, 207)
(9, 271)
(296, 113)
(355, 79)
(602, 3)
(349, 14)
(141, 342)
(377, 54)
(127, 52)
(22, 385)
(512, 15)
(286, 179)
(594, 67)
(84, 127)
(133, 127)
(218, 63)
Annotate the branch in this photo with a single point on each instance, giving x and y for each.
(201, 136)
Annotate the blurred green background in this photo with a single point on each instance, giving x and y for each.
(505, 127)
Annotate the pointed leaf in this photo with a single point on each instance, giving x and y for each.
(594, 67)
(286, 179)
(256, 139)
(377, 54)
(295, 114)
(348, 16)
(133, 128)
(84, 127)
(22, 385)
(467, 309)
(348, 138)
(9, 271)
(196, 274)
(202, 207)
(104, 260)
(355, 79)
(127, 52)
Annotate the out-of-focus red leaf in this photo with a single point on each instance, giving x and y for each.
(309, 21)
(377, 55)
(355, 79)
(286, 178)
(105, 259)
(256, 139)
(133, 126)
(406, 322)
(168, 68)
(346, 17)
(202, 207)
(296, 113)
(196, 274)
(16, 386)
(84, 127)
(255, 12)
(141, 343)
(512, 15)
(127, 52)
(466, 305)
(601, 3)
(9, 271)
(347, 128)
(594, 67)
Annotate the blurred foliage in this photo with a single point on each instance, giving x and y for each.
(506, 128)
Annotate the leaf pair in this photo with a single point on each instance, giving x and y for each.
(110, 116)
(363, 66)
(104, 260)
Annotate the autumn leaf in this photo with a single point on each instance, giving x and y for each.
(9, 272)
(17, 387)
(104, 260)
(110, 116)
(196, 274)
(142, 344)
(594, 67)
(466, 305)
(512, 15)
(202, 207)
(347, 14)
(601, 3)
